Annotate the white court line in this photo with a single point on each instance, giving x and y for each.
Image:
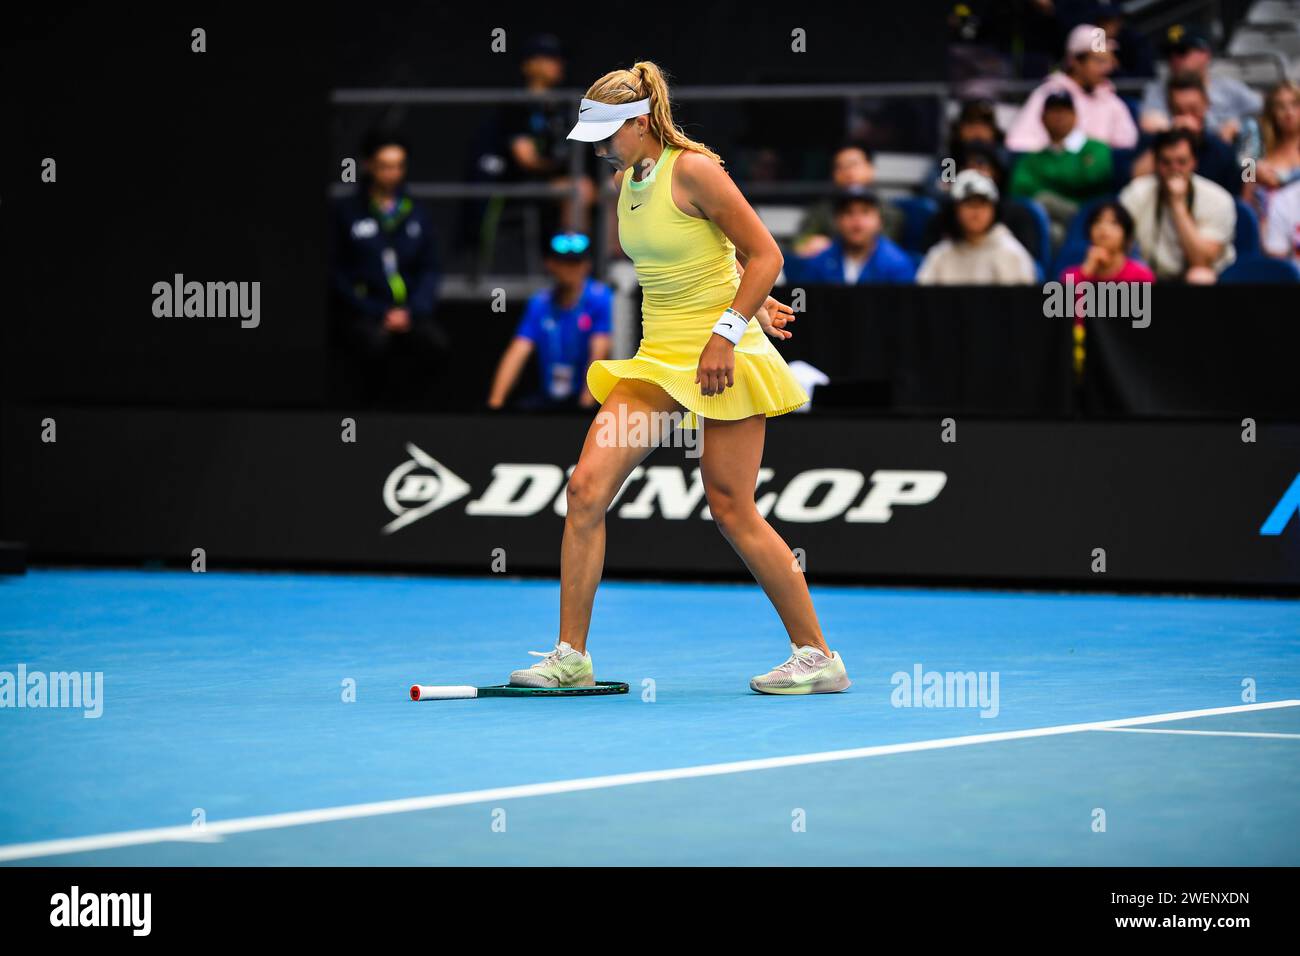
(1197, 733)
(186, 833)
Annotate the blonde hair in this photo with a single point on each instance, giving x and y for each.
(646, 79)
(1267, 127)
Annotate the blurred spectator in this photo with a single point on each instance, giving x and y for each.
(1070, 170)
(851, 166)
(1282, 234)
(977, 249)
(976, 123)
(985, 158)
(1110, 232)
(536, 148)
(1102, 115)
(385, 275)
(1275, 146)
(567, 325)
(860, 253)
(1231, 101)
(1215, 159)
(1183, 222)
(1134, 56)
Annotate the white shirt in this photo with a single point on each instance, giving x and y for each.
(997, 259)
(1282, 230)
(1213, 211)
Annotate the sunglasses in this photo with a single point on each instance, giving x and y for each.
(570, 244)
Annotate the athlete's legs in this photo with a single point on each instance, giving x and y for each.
(729, 466)
(601, 470)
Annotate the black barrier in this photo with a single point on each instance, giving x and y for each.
(1165, 504)
(990, 351)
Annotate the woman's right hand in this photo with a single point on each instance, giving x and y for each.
(717, 368)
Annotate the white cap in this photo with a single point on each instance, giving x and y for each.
(597, 121)
(1086, 38)
(970, 183)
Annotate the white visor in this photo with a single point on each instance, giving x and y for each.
(597, 121)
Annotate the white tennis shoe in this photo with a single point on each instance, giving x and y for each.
(807, 671)
(561, 667)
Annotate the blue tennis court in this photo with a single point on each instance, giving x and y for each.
(1106, 730)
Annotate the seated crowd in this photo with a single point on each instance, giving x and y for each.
(1201, 166)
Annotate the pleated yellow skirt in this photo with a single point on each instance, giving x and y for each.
(669, 355)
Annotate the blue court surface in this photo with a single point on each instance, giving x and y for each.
(1121, 730)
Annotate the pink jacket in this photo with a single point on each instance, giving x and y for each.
(1101, 114)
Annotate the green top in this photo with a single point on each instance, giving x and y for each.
(1076, 176)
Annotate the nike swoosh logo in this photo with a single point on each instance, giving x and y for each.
(583, 110)
(638, 205)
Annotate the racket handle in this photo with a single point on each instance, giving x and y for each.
(450, 692)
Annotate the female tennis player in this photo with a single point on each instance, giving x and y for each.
(706, 263)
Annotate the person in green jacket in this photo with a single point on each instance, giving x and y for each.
(1068, 172)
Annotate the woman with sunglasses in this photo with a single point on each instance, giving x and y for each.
(705, 263)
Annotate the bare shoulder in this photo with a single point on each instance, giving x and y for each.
(696, 169)
(618, 179)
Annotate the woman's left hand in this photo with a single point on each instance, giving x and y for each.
(773, 316)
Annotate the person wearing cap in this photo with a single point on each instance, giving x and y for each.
(706, 265)
(852, 166)
(985, 158)
(860, 254)
(1184, 223)
(1070, 170)
(1188, 50)
(566, 325)
(976, 249)
(1101, 114)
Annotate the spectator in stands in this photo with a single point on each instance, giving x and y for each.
(385, 276)
(1109, 228)
(567, 325)
(977, 249)
(851, 166)
(1069, 171)
(976, 123)
(1183, 222)
(535, 132)
(1133, 54)
(1102, 115)
(1215, 159)
(1275, 147)
(984, 158)
(860, 253)
(1231, 101)
(1282, 233)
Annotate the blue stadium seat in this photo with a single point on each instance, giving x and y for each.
(1261, 270)
(917, 213)
(1246, 240)
(1043, 253)
(1074, 231)
(1122, 167)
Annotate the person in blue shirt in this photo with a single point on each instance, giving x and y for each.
(860, 253)
(568, 327)
(385, 277)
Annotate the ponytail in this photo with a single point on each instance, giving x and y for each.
(646, 79)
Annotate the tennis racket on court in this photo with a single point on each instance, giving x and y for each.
(601, 688)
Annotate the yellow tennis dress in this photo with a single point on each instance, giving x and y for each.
(687, 270)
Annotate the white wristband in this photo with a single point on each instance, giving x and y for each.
(732, 326)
